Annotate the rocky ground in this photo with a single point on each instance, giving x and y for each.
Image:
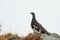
(30, 36)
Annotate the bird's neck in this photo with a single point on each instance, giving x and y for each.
(33, 17)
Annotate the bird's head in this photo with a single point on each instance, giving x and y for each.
(32, 13)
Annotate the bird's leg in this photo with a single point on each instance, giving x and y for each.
(40, 31)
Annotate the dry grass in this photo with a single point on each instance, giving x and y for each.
(10, 36)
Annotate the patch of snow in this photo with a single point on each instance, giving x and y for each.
(47, 37)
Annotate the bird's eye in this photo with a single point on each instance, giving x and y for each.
(12, 38)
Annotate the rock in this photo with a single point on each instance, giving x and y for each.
(55, 35)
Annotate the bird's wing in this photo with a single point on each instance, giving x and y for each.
(39, 26)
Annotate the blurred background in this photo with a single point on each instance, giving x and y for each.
(15, 15)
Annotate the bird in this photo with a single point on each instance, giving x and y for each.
(37, 27)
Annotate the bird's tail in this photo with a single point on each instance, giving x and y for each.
(48, 33)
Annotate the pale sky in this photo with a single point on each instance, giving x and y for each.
(15, 15)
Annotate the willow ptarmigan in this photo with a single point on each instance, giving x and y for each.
(37, 27)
